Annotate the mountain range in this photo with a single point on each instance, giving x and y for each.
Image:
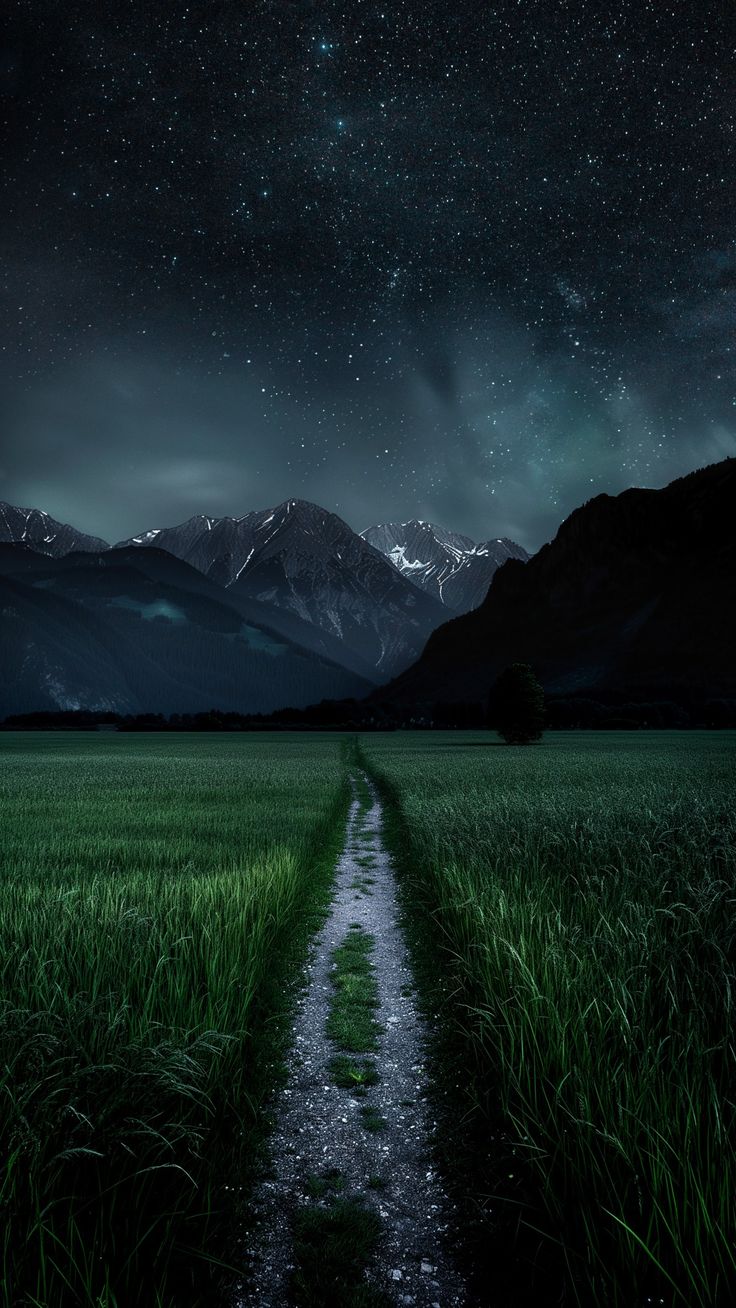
(443, 563)
(304, 562)
(283, 606)
(636, 595)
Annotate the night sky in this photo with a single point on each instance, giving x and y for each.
(469, 262)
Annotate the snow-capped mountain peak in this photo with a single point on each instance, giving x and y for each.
(443, 563)
(43, 533)
(300, 558)
(376, 596)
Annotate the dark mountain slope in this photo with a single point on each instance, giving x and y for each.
(280, 622)
(301, 560)
(636, 592)
(99, 631)
(55, 654)
(164, 568)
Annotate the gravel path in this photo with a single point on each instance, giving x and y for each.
(319, 1125)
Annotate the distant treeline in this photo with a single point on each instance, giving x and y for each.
(615, 713)
(330, 715)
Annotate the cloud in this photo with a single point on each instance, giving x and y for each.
(489, 430)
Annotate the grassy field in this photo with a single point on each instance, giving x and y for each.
(582, 896)
(577, 897)
(156, 894)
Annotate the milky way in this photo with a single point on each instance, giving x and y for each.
(467, 262)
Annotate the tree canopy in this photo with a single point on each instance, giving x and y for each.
(516, 706)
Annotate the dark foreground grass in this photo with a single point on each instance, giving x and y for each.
(156, 895)
(582, 894)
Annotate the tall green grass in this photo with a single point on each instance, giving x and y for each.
(155, 893)
(584, 891)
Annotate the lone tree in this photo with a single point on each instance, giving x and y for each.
(516, 706)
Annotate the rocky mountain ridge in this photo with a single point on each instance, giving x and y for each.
(443, 563)
(636, 593)
(43, 533)
(368, 601)
(300, 559)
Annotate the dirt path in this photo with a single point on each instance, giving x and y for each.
(320, 1128)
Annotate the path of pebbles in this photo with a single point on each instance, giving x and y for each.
(318, 1124)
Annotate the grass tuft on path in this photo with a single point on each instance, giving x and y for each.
(372, 1119)
(354, 1074)
(351, 1023)
(332, 1247)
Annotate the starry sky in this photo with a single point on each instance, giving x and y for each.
(468, 262)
